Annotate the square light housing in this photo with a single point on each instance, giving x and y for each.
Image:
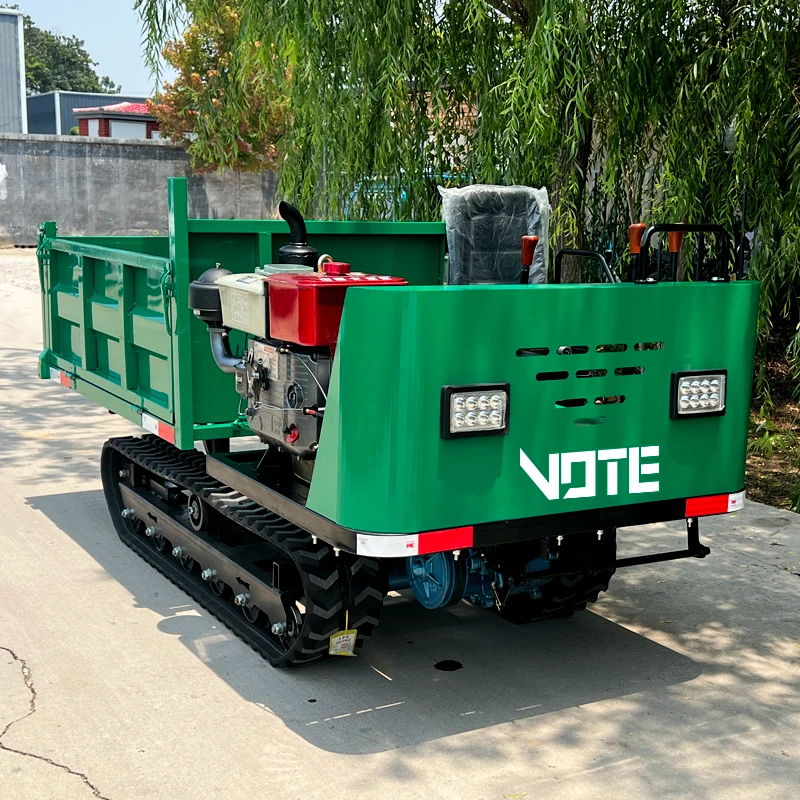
(699, 393)
(479, 409)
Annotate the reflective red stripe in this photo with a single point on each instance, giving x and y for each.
(448, 539)
(159, 428)
(63, 379)
(705, 506)
(166, 432)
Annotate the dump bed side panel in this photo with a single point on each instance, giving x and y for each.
(382, 465)
(104, 312)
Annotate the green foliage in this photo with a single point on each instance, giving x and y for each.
(59, 63)
(665, 110)
(195, 102)
(766, 440)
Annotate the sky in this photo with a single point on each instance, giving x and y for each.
(110, 30)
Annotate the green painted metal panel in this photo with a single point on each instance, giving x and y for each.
(146, 245)
(183, 375)
(338, 227)
(411, 250)
(383, 467)
(106, 253)
(105, 312)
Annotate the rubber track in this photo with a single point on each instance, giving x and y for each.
(324, 588)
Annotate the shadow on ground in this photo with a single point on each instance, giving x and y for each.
(392, 695)
(50, 429)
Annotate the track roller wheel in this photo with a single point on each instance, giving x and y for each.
(199, 513)
(187, 562)
(160, 543)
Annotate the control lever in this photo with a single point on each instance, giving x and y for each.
(674, 242)
(635, 233)
(528, 248)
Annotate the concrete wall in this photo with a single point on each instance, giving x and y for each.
(108, 187)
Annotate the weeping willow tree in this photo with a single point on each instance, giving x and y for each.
(625, 109)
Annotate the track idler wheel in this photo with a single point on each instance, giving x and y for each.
(198, 513)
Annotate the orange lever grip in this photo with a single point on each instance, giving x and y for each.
(635, 233)
(674, 239)
(528, 247)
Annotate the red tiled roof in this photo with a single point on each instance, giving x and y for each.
(139, 109)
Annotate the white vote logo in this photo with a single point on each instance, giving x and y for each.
(560, 465)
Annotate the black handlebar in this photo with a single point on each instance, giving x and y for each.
(726, 244)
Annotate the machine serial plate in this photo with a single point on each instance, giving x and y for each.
(268, 356)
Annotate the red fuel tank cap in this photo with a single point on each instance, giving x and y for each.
(336, 268)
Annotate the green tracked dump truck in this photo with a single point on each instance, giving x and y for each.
(431, 415)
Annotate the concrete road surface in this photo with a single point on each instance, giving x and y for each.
(681, 682)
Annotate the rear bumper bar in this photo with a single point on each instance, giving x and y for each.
(238, 470)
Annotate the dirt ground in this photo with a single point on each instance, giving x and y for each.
(773, 463)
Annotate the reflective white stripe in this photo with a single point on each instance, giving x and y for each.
(60, 377)
(150, 423)
(736, 501)
(386, 545)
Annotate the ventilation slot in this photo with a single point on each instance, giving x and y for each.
(572, 402)
(610, 400)
(612, 348)
(649, 346)
(552, 376)
(591, 373)
(629, 370)
(527, 352)
(572, 350)
(582, 422)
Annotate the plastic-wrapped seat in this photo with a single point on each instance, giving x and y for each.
(485, 225)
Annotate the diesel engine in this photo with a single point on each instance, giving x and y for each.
(290, 313)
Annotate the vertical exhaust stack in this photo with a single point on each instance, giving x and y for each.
(298, 251)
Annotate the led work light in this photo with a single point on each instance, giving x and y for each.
(698, 394)
(478, 410)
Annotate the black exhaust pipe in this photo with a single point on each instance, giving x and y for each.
(297, 251)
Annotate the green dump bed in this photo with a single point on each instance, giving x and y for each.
(118, 329)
